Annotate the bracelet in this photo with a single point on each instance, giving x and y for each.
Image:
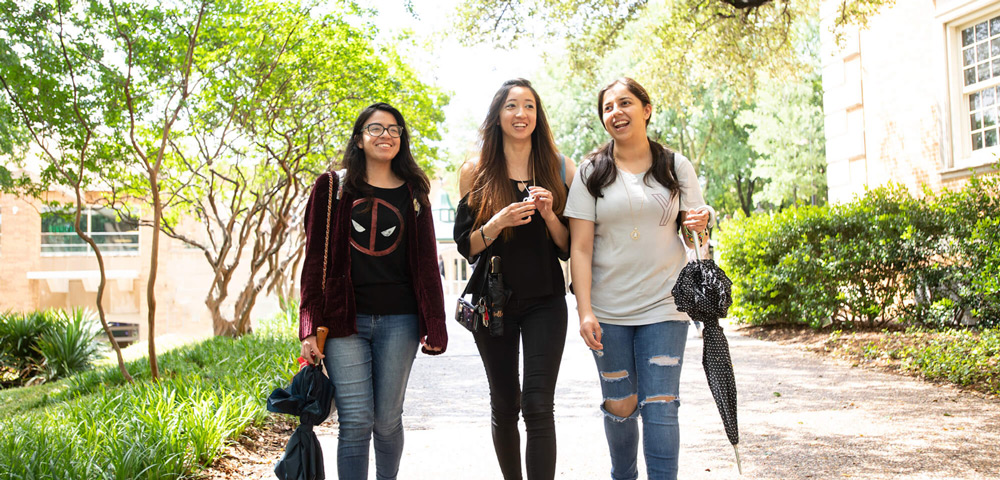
(689, 234)
(482, 232)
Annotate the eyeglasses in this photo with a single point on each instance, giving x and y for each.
(376, 130)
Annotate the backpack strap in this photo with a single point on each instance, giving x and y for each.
(562, 167)
(340, 184)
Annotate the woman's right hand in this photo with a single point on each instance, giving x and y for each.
(310, 352)
(513, 215)
(590, 330)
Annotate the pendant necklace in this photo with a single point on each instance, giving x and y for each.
(523, 184)
(635, 227)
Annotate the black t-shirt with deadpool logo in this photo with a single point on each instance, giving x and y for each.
(379, 268)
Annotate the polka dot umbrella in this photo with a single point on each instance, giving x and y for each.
(704, 292)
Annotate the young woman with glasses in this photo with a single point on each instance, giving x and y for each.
(383, 295)
(512, 200)
(626, 207)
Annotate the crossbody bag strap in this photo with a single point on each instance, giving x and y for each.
(482, 255)
(326, 244)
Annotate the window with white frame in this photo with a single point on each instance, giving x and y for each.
(981, 80)
(972, 38)
(113, 234)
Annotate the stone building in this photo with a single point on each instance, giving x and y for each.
(913, 98)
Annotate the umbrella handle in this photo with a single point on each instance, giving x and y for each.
(321, 334)
(739, 465)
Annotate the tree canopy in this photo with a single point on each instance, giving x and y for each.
(675, 42)
(220, 112)
(765, 132)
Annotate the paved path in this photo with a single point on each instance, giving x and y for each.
(801, 416)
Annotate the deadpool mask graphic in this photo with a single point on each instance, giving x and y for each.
(381, 232)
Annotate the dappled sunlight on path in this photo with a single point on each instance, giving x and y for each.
(801, 416)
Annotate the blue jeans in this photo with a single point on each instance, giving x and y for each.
(369, 371)
(643, 361)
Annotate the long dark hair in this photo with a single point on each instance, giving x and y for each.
(403, 164)
(604, 171)
(491, 190)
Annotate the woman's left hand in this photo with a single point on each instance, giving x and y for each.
(428, 346)
(543, 201)
(697, 220)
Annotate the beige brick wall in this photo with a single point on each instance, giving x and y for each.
(183, 277)
(887, 102)
(18, 235)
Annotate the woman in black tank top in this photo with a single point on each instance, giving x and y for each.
(512, 201)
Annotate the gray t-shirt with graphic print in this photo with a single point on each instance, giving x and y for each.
(632, 278)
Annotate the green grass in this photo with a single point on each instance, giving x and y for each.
(15, 401)
(94, 425)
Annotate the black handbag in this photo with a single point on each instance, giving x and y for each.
(486, 309)
(472, 316)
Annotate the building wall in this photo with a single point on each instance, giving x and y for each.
(889, 102)
(18, 234)
(183, 278)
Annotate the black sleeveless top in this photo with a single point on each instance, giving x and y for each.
(529, 259)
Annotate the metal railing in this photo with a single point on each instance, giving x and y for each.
(63, 243)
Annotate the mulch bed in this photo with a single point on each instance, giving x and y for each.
(254, 454)
(849, 346)
(852, 347)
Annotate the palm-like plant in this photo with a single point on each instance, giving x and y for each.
(19, 333)
(69, 345)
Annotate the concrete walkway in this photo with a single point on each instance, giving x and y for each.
(801, 416)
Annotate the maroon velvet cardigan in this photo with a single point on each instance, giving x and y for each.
(338, 311)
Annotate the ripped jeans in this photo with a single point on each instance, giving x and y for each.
(643, 361)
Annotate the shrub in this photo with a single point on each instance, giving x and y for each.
(878, 242)
(962, 357)
(966, 276)
(984, 248)
(775, 262)
(883, 257)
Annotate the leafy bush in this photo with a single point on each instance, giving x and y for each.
(984, 247)
(966, 275)
(887, 256)
(777, 267)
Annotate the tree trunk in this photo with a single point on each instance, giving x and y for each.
(153, 264)
(100, 288)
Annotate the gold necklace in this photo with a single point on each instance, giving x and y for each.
(635, 227)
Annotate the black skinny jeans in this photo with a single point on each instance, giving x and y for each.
(540, 324)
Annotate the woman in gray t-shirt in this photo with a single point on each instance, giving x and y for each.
(626, 207)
